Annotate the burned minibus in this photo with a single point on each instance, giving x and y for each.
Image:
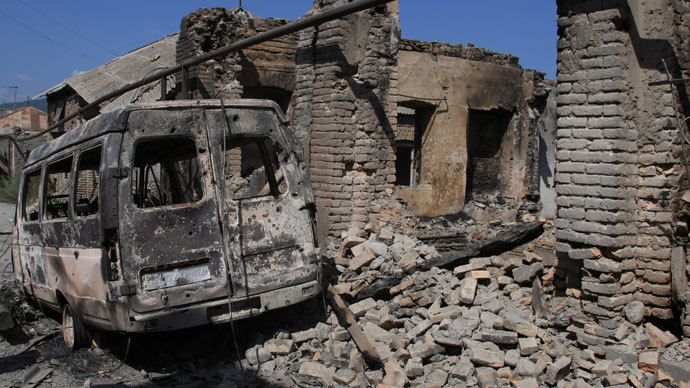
(166, 216)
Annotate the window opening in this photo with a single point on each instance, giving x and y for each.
(252, 169)
(166, 172)
(57, 189)
(88, 182)
(413, 121)
(485, 135)
(30, 203)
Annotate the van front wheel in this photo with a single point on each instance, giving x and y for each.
(73, 330)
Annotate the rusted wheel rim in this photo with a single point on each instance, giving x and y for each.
(68, 326)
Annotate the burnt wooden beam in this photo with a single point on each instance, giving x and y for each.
(347, 319)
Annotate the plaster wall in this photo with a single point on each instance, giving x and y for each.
(457, 85)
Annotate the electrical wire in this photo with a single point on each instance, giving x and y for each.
(69, 29)
(50, 39)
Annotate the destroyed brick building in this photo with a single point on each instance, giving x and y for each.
(370, 123)
(380, 114)
(448, 126)
(376, 112)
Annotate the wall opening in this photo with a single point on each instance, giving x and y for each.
(414, 118)
(486, 131)
(280, 96)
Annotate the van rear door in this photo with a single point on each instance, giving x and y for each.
(270, 233)
(171, 241)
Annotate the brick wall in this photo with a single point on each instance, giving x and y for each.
(270, 64)
(346, 70)
(618, 166)
(459, 51)
(681, 20)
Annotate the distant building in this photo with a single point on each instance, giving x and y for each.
(84, 88)
(27, 118)
(21, 122)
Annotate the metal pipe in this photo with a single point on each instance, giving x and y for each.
(311, 21)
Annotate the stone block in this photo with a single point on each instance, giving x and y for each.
(361, 307)
(437, 378)
(500, 337)
(603, 367)
(468, 289)
(419, 329)
(603, 265)
(279, 346)
(463, 370)
(525, 367)
(305, 335)
(514, 323)
(525, 274)
(649, 361)
(257, 355)
(511, 357)
(557, 370)
(362, 257)
(408, 260)
(319, 371)
(424, 350)
(414, 367)
(344, 376)
(487, 378)
(528, 346)
(665, 337)
(487, 358)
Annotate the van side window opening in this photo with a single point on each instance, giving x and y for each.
(166, 172)
(88, 182)
(249, 164)
(57, 189)
(30, 203)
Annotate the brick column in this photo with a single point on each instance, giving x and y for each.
(616, 173)
(346, 71)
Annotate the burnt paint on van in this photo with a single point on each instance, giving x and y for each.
(171, 245)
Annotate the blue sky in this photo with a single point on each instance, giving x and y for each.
(46, 41)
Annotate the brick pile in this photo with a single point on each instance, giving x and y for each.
(490, 322)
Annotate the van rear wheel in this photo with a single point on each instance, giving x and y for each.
(73, 330)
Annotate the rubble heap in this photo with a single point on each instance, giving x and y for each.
(488, 322)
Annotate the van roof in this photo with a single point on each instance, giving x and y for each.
(115, 121)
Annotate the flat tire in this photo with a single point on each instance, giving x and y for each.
(73, 330)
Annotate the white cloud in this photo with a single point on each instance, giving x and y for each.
(77, 72)
(24, 77)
